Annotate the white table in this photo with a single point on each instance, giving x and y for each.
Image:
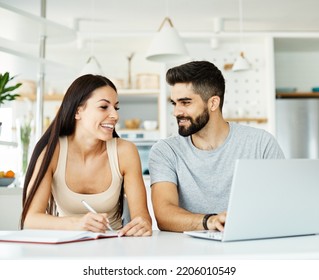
(167, 245)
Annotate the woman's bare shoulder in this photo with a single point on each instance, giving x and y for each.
(125, 145)
(127, 154)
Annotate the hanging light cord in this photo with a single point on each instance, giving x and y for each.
(241, 23)
(92, 21)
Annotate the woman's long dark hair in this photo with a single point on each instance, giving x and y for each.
(62, 125)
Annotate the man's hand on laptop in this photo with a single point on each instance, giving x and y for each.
(217, 221)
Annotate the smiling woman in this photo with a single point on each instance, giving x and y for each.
(82, 141)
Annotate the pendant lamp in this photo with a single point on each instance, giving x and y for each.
(167, 45)
(241, 63)
(92, 66)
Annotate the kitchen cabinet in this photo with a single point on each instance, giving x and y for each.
(10, 208)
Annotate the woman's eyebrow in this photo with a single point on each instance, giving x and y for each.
(103, 99)
(107, 101)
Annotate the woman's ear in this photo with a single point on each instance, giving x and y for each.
(77, 114)
(213, 103)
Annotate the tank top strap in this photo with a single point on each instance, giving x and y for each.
(111, 146)
(61, 167)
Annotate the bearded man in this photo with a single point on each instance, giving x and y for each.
(191, 173)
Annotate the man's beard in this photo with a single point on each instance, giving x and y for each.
(195, 126)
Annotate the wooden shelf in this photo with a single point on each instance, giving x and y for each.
(47, 97)
(257, 120)
(297, 95)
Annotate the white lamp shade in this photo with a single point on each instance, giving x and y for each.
(92, 67)
(241, 63)
(167, 46)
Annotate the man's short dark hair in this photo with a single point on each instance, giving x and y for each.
(206, 79)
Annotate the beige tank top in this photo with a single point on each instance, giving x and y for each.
(69, 202)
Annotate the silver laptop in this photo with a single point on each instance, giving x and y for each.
(270, 198)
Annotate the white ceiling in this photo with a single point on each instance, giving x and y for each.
(100, 20)
(107, 24)
(138, 16)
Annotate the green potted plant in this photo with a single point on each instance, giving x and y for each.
(5, 90)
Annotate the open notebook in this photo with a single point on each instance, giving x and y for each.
(52, 236)
(271, 198)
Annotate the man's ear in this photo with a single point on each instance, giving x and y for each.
(213, 103)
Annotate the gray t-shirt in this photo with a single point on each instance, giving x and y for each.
(203, 178)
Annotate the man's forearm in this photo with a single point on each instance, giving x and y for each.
(173, 218)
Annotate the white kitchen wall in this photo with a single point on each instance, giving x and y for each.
(297, 69)
(296, 62)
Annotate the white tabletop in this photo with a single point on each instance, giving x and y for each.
(167, 245)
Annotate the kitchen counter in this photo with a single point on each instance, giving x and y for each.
(10, 207)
